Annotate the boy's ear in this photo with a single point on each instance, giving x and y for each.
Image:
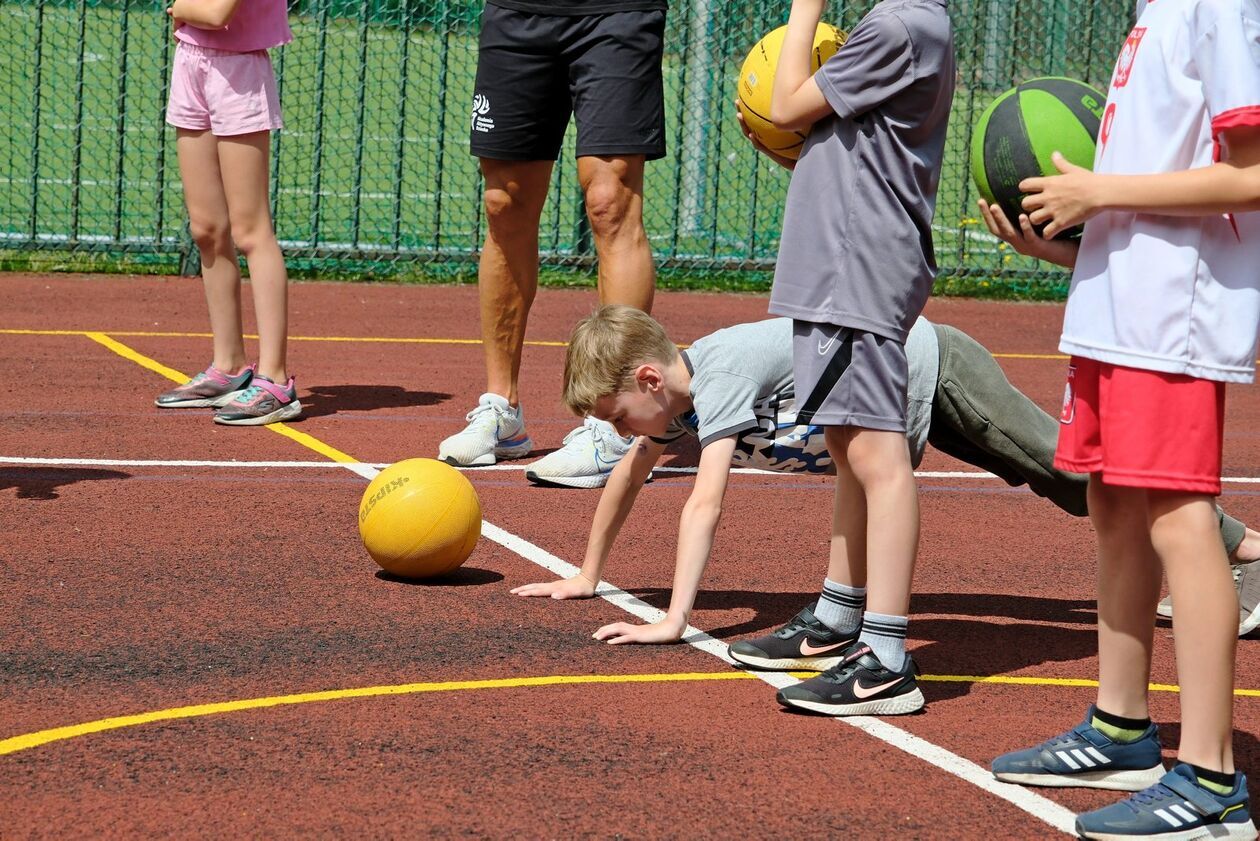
(649, 376)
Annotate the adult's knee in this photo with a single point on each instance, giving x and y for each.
(610, 206)
(509, 214)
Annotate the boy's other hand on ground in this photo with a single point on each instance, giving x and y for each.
(1061, 201)
(576, 587)
(1025, 240)
(667, 630)
(786, 163)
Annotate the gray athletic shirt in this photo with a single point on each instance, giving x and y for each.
(856, 248)
(741, 384)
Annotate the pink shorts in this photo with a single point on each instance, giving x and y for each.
(1142, 429)
(228, 93)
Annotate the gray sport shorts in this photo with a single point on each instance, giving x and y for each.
(848, 377)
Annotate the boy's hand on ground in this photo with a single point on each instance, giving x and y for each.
(1061, 201)
(576, 587)
(624, 632)
(1025, 240)
(786, 163)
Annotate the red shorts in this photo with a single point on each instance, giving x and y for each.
(1142, 429)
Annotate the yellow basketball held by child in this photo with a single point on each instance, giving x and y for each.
(756, 79)
(420, 518)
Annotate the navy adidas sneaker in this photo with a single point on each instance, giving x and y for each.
(803, 643)
(1176, 808)
(858, 685)
(1087, 758)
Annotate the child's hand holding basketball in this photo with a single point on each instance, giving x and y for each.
(619, 633)
(1062, 201)
(576, 587)
(786, 163)
(1025, 240)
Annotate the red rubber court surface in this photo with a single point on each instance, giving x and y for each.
(194, 644)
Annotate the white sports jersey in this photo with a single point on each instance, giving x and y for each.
(1167, 293)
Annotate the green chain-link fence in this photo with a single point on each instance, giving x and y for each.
(372, 173)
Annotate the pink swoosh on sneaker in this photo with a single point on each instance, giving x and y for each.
(808, 650)
(861, 691)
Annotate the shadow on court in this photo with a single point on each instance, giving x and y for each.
(462, 577)
(330, 399)
(43, 482)
(964, 638)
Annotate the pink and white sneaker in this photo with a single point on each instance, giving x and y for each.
(262, 403)
(211, 387)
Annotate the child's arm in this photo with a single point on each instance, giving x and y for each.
(1025, 240)
(695, 540)
(203, 14)
(796, 101)
(614, 506)
(1231, 185)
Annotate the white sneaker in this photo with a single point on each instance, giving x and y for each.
(588, 455)
(495, 430)
(1247, 585)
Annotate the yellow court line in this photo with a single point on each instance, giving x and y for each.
(308, 441)
(411, 340)
(1017, 680)
(137, 357)
(407, 340)
(26, 741)
(56, 734)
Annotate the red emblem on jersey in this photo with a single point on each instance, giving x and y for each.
(1068, 414)
(1124, 64)
(1109, 116)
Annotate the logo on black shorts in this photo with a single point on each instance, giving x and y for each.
(481, 107)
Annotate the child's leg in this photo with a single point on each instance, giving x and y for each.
(880, 463)
(209, 223)
(1128, 589)
(847, 560)
(1185, 534)
(243, 161)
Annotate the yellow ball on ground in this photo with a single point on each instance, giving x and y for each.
(756, 79)
(420, 518)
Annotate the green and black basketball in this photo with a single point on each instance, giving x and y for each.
(1016, 135)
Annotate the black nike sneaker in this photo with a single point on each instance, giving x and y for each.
(858, 685)
(804, 643)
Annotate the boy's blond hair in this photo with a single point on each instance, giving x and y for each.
(604, 350)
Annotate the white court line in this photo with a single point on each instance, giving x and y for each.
(324, 465)
(1039, 807)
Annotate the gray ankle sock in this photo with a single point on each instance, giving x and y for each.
(840, 606)
(886, 635)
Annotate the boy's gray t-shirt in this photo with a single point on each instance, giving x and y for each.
(741, 384)
(856, 248)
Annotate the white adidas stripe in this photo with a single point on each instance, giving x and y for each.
(1067, 760)
(1169, 819)
(1097, 754)
(1083, 758)
(1188, 817)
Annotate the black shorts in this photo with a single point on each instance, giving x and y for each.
(533, 71)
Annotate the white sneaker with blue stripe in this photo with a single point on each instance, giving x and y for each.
(495, 430)
(1084, 757)
(1176, 808)
(588, 455)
